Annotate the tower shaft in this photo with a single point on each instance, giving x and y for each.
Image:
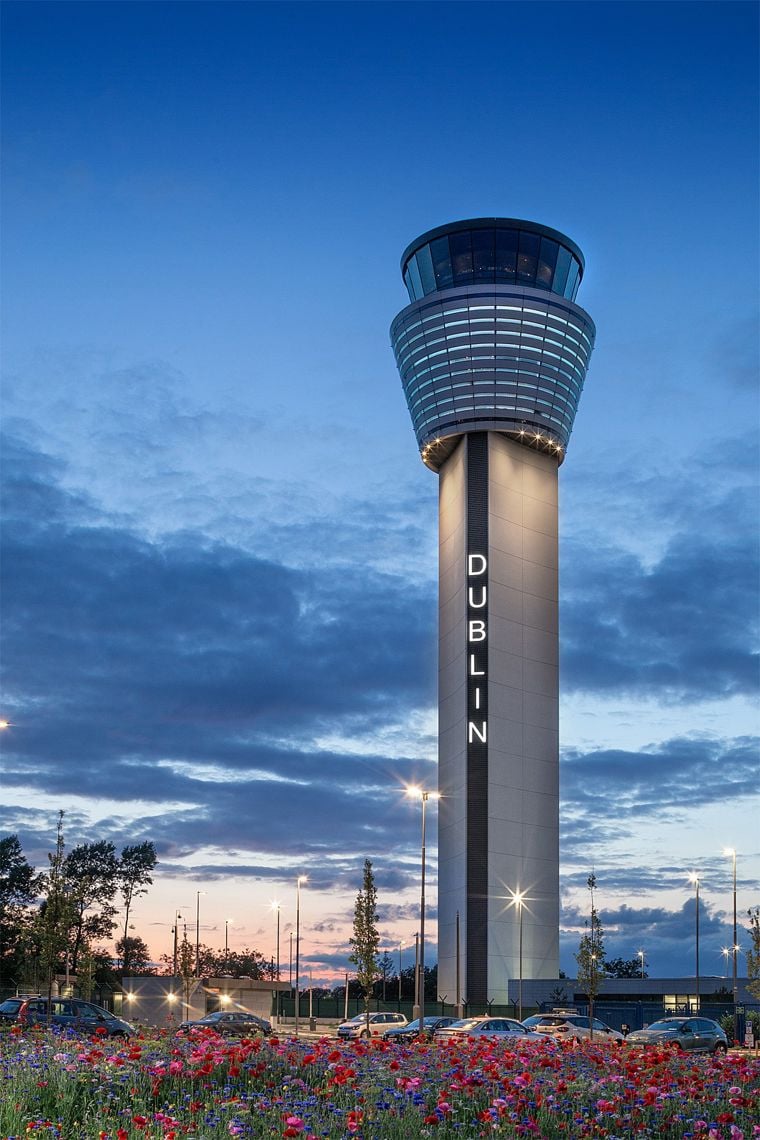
(498, 699)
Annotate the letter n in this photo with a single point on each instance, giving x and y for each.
(473, 730)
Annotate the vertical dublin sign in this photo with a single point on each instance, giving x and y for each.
(493, 353)
(477, 635)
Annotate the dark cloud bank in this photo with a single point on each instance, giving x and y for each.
(189, 672)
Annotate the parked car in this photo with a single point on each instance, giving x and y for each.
(10, 1007)
(571, 1025)
(485, 1027)
(236, 1023)
(71, 1013)
(692, 1034)
(412, 1029)
(379, 1025)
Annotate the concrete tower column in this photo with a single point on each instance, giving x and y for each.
(493, 354)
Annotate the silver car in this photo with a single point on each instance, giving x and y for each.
(690, 1034)
(379, 1025)
(485, 1027)
(572, 1025)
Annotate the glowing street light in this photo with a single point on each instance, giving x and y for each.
(694, 878)
(518, 900)
(299, 880)
(419, 993)
(730, 851)
(640, 954)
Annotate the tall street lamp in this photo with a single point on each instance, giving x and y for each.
(227, 922)
(177, 917)
(274, 904)
(399, 970)
(299, 880)
(419, 1008)
(735, 948)
(640, 954)
(518, 900)
(198, 932)
(694, 878)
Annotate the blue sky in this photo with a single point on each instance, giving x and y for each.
(220, 546)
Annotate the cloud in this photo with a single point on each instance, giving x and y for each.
(667, 937)
(659, 581)
(673, 776)
(197, 673)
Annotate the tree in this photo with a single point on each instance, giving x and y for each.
(385, 966)
(753, 954)
(19, 886)
(89, 872)
(590, 956)
(133, 878)
(624, 968)
(245, 963)
(136, 950)
(365, 940)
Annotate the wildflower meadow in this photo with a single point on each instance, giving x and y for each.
(203, 1087)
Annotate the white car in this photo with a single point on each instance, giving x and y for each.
(485, 1027)
(567, 1025)
(379, 1024)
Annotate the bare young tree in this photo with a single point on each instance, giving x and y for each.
(590, 955)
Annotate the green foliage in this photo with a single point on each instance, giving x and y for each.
(624, 968)
(89, 873)
(136, 951)
(76, 908)
(365, 940)
(19, 884)
(133, 877)
(245, 963)
(753, 953)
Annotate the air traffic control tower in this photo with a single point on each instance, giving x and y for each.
(493, 353)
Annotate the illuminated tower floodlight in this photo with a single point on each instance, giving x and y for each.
(493, 354)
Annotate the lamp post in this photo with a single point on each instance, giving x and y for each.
(198, 932)
(399, 971)
(177, 917)
(518, 900)
(694, 878)
(419, 1009)
(227, 922)
(640, 954)
(276, 907)
(299, 880)
(735, 948)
